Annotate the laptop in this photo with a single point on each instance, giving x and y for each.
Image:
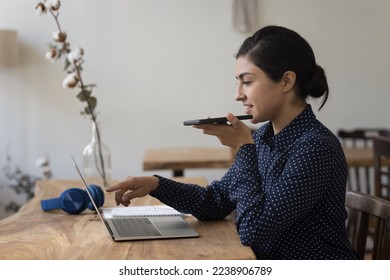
(140, 228)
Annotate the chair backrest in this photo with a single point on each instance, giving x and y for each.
(384, 132)
(369, 212)
(361, 179)
(361, 137)
(381, 166)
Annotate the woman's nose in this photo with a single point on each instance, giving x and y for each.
(239, 94)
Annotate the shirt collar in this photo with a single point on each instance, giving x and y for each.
(288, 134)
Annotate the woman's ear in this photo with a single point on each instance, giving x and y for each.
(289, 79)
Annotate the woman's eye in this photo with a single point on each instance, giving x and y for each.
(240, 83)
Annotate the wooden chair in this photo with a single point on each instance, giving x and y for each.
(360, 178)
(361, 137)
(366, 210)
(381, 170)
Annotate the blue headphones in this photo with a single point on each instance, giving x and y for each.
(75, 200)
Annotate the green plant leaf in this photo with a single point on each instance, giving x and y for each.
(67, 64)
(90, 86)
(92, 102)
(84, 95)
(87, 111)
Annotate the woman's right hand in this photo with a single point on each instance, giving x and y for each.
(234, 135)
(133, 187)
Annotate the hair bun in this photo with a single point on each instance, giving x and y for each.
(318, 85)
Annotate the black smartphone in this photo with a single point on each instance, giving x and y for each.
(221, 120)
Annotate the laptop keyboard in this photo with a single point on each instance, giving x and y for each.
(135, 227)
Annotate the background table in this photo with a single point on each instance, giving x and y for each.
(34, 234)
(359, 157)
(181, 158)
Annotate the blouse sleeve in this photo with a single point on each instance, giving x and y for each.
(216, 201)
(205, 203)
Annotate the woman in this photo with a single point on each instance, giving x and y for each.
(288, 179)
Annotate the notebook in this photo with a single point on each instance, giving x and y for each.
(140, 211)
(141, 222)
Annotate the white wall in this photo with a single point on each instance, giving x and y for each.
(159, 62)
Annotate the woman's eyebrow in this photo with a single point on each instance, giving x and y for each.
(242, 75)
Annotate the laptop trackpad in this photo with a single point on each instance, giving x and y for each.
(169, 224)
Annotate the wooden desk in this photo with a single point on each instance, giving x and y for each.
(178, 159)
(34, 234)
(359, 157)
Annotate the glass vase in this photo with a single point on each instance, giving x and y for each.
(97, 160)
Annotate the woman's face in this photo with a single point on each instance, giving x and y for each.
(262, 97)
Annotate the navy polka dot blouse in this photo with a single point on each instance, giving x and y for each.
(288, 190)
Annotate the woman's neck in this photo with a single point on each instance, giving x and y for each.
(287, 116)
